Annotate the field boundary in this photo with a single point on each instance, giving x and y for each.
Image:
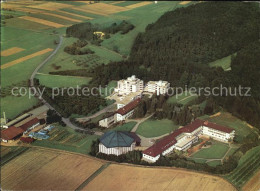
(19, 60)
(94, 175)
(42, 21)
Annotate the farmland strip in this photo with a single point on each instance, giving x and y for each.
(42, 21)
(17, 61)
(11, 51)
(73, 14)
(62, 17)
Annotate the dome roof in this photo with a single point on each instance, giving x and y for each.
(116, 139)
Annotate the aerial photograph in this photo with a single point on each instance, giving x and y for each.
(130, 95)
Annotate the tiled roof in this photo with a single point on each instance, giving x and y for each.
(11, 132)
(30, 123)
(27, 139)
(116, 139)
(129, 107)
(170, 140)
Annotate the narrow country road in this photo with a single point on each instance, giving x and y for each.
(65, 120)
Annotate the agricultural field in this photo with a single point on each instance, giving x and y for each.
(59, 170)
(9, 153)
(61, 81)
(29, 37)
(224, 63)
(241, 128)
(253, 184)
(248, 165)
(184, 98)
(65, 138)
(155, 128)
(143, 178)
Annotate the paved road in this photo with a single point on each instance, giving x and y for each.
(65, 120)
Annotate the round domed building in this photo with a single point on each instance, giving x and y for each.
(118, 142)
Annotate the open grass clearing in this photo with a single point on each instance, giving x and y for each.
(224, 63)
(13, 106)
(216, 151)
(125, 127)
(183, 98)
(154, 128)
(62, 81)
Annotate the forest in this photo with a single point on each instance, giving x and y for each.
(179, 46)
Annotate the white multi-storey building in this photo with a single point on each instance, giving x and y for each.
(107, 121)
(158, 87)
(129, 85)
(183, 138)
(127, 111)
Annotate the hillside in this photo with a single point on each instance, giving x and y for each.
(179, 46)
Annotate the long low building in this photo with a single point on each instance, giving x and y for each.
(127, 111)
(183, 138)
(12, 133)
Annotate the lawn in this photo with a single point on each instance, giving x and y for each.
(184, 98)
(65, 138)
(216, 151)
(226, 119)
(214, 163)
(225, 62)
(125, 127)
(155, 128)
(62, 81)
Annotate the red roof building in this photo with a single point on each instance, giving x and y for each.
(11, 133)
(129, 107)
(27, 139)
(170, 140)
(29, 124)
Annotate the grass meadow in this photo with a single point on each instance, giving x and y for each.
(154, 128)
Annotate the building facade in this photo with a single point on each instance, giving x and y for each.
(158, 87)
(129, 85)
(118, 142)
(127, 111)
(182, 139)
(107, 121)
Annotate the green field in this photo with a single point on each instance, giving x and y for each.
(125, 127)
(155, 128)
(225, 62)
(65, 138)
(216, 151)
(70, 62)
(62, 81)
(248, 165)
(140, 17)
(183, 98)
(226, 119)
(214, 163)
(13, 106)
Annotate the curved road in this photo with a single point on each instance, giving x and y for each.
(65, 120)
